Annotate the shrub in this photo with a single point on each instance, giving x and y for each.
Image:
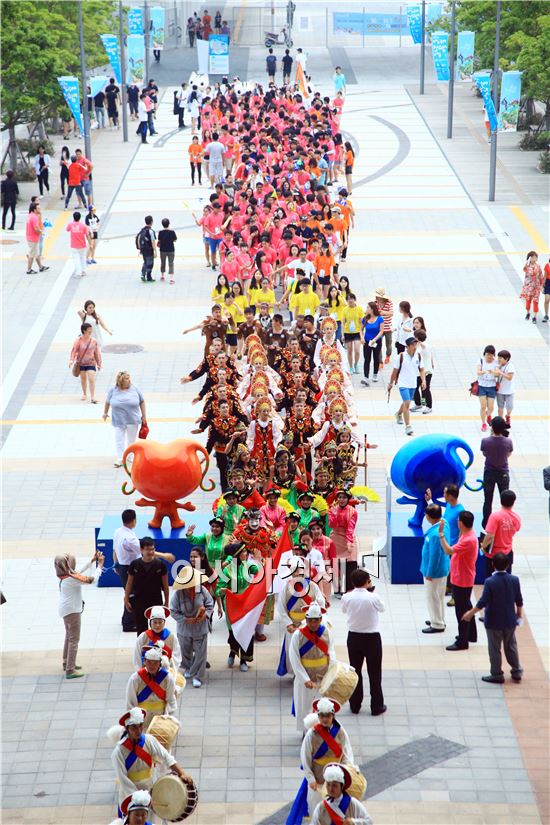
(544, 163)
(29, 146)
(535, 142)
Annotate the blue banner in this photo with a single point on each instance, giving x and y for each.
(510, 94)
(135, 21)
(110, 44)
(433, 13)
(464, 67)
(369, 24)
(71, 92)
(483, 83)
(440, 53)
(414, 17)
(218, 54)
(97, 84)
(135, 49)
(156, 17)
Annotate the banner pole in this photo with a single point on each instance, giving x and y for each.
(451, 89)
(146, 41)
(122, 52)
(423, 47)
(494, 133)
(85, 113)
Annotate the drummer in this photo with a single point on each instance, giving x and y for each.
(292, 602)
(325, 742)
(152, 687)
(311, 652)
(135, 809)
(137, 754)
(158, 634)
(339, 808)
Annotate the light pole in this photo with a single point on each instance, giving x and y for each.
(85, 114)
(122, 51)
(146, 35)
(451, 74)
(423, 47)
(494, 133)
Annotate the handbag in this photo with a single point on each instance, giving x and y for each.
(76, 365)
(143, 430)
(474, 388)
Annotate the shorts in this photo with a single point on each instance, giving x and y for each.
(231, 339)
(488, 392)
(352, 336)
(505, 401)
(349, 170)
(213, 243)
(87, 186)
(407, 393)
(325, 280)
(93, 236)
(33, 248)
(546, 290)
(83, 367)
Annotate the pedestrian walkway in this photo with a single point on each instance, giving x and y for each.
(421, 236)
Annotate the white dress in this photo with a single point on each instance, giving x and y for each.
(96, 328)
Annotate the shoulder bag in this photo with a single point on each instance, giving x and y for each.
(76, 365)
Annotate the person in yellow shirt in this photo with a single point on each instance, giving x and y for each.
(336, 305)
(352, 317)
(241, 300)
(306, 301)
(265, 295)
(232, 313)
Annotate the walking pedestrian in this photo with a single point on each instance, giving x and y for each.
(373, 331)
(79, 234)
(352, 318)
(191, 31)
(10, 193)
(503, 605)
(423, 400)
(500, 530)
(215, 150)
(192, 607)
(434, 567)
(88, 315)
(165, 243)
(287, 62)
(146, 585)
(342, 520)
(533, 282)
(404, 326)
(86, 177)
(71, 604)
(496, 448)
(64, 163)
(132, 97)
(218, 22)
(92, 222)
(42, 169)
(193, 107)
(408, 367)
(546, 291)
(33, 232)
(506, 384)
(271, 65)
(348, 164)
(487, 385)
(463, 553)
(128, 412)
(75, 183)
(142, 116)
(146, 246)
(99, 107)
(385, 308)
(361, 608)
(339, 81)
(86, 354)
(196, 153)
(301, 59)
(180, 104)
(112, 93)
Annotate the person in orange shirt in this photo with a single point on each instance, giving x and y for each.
(348, 165)
(196, 153)
(206, 25)
(324, 264)
(348, 216)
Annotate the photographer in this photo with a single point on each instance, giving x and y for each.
(361, 607)
(71, 605)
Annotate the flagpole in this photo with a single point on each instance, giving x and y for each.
(122, 52)
(450, 99)
(85, 114)
(494, 133)
(423, 47)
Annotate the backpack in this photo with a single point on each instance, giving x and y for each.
(143, 240)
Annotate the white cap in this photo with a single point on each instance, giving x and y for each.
(314, 611)
(333, 773)
(154, 654)
(135, 716)
(141, 800)
(324, 705)
(158, 611)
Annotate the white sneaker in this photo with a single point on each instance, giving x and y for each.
(187, 674)
(426, 411)
(416, 408)
(375, 378)
(197, 683)
(398, 418)
(365, 382)
(408, 430)
(243, 666)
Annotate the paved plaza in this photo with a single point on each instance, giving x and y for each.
(450, 749)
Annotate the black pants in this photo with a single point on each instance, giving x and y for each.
(223, 463)
(156, 52)
(128, 621)
(366, 646)
(139, 608)
(467, 631)
(142, 130)
(64, 178)
(490, 567)
(198, 167)
(371, 354)
(43, 180)
(5, 209)
(490, 479)
(399, 347)
(236, 650)
(181, 114)
(427, 395)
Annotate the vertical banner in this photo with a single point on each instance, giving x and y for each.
(156, 17)
(433, 13)
(465, 56)
(218, 54)
(510, 94)
(97, 84)
(71, 92)
(202, 56)
(414, 16)
(483, 83)
(135, 48)
(135, 21)
(110, 44)
(440, 53)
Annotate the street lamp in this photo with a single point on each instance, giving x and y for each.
(423, 47)
(451, 75)
(123, 74)
(85, 114)
(494, 133)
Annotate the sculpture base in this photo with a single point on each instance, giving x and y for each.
(166, 541)
(404, 549)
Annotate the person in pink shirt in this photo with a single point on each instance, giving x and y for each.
(272, 515)
(325, 545)
(213, 226)
(87, 354)
(463, 573)
(33, 230)
(500, 530)
(342, 520)
(230, 267)
(79, 234)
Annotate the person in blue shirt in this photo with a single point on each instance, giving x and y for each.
(503, 605)
(434, 567)
(452, 510)
(339, 80)
(373, 332)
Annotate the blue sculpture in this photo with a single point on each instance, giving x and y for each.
(429, 461)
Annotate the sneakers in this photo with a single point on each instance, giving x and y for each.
(31, 271)
(544, 320)
(484, 428)
(162, 278)
(197, 683)
(365, 382)
(409, 430)
(375, 378)
(508, 422)
(243, 667)
(89, 261)
(426, 410)
(231, 660)
(187, 674)
(451, 602)
(75, 674)
(533, 321)
(398, 418)
(489, 420)
(172, 281)
(527, 316)
(416, 408)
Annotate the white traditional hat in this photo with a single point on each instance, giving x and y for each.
(157, 612)
(337, 773)
(314, 611)
(154, 654)
(138, 801)
(326, 705)
(135, 716)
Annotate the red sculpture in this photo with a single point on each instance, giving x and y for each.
(164, 473)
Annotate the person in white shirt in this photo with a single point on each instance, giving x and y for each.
(505, 391)
(339, 806)
(71, 605)
(301, 59)
(423, 401)
(407, 367)
(361, 608)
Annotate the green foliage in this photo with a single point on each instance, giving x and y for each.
(534, 59)
(39, 44)
(535, 141)
(544, 163)
(30, 147)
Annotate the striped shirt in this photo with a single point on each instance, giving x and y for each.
(386, 308)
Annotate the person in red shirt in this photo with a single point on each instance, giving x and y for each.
(546, 291)
(76, 171)
(79, 234)
(500, 530)
(463, 573)
(86, 177)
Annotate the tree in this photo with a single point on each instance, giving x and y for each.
(534, 61)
